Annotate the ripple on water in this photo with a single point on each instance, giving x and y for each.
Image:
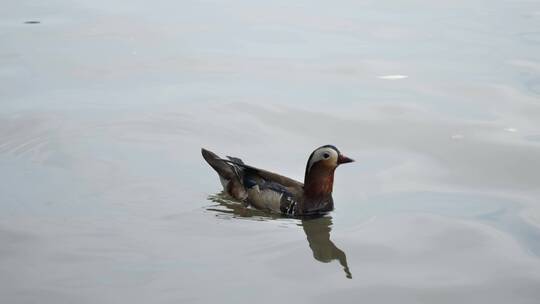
(533, 85)
(530, 37)
(393, 77)
(227, 208)
(27, 135)
(535, 137)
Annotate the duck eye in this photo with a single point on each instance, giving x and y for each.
(326, 155)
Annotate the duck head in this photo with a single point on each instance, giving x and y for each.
(319, 178)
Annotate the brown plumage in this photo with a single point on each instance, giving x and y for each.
(276, 193)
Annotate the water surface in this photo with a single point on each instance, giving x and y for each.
(104, 106)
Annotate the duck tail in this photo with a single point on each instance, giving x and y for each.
(220, 165)
(229, 172)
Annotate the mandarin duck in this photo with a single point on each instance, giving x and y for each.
(279, 194)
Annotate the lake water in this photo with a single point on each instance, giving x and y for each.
(104, 106)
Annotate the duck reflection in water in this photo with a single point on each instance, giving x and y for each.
(318, 236)
(316, 228)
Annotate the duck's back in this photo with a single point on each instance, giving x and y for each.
(260, 188)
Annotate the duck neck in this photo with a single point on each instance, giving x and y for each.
(318, 183)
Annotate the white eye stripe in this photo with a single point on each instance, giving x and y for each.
(322, 154)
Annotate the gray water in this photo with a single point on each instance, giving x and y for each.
(104, 106)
